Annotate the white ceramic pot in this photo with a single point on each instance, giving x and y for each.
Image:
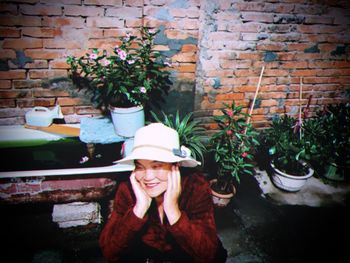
(221, 200)
(127, 121)
(291, 183)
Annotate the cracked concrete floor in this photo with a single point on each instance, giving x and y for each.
(254, 229)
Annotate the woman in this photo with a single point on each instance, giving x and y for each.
(161, 215)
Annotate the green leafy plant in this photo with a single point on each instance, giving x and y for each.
(132, 74)
(287, 144)
(190, 133)
(333, 139)
(232, 145)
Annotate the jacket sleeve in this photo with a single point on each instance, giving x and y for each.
(195, 231)
(122, 226)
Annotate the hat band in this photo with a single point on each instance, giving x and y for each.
(174, 151)
(152, 146)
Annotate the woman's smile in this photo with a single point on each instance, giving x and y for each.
(153, 176)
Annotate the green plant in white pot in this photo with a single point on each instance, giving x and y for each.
(132, 75)
(233, 146)
(290, 152)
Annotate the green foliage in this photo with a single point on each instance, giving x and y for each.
(287, 146)
(322, 141)
(233, 145)
(190, 133)
(132, 74)
(333, 137)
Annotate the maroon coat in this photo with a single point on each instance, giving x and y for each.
(192, 238)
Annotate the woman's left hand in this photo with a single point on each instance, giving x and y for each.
(172, 194)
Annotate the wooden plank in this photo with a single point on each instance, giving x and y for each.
(57, 129)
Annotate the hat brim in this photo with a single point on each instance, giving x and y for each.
(158, 155)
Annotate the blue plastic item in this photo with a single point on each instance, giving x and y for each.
(98, 130)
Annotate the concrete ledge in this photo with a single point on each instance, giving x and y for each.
(315, 192)
(76, 214)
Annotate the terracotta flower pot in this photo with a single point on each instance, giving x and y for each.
(221, 200)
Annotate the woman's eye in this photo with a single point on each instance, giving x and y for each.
(139, 168)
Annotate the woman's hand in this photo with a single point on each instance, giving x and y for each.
(172, 194)
(143, 200)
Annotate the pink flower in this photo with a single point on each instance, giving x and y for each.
(230, 113)
(93, 56)
(105, 62)
(229, 132)
(245, 154)
(143, 90)
(131, 61)
(121, 54)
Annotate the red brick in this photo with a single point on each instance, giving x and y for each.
(61, 43)
(106, 22)
(294, 64)
(124, 12)
(26, 84)
(257, 17)
(43, 54)
(12, 94)
(8, 20)
(50, 93)
(9, 32)
(37, 64)
(39, 9)
(69, 101)
(5, 84)
(41, 32)
(40, 74)
(83, 11)
(58, 22)
(22, 43)
(13, 74)
(8, 188)
(7, 103)
(184, 57)
(59, 64)
(230, 96)
(25, 103)
(187, 67)
(103, 2)
(47, 102)
(271, 46)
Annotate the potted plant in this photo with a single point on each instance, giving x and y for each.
(233, 146)
(289, 152)
(129, 78)
(190, 134)
(333, 136)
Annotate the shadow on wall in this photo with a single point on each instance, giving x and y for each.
(180, 98)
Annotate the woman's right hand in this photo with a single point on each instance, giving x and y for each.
(143, 200)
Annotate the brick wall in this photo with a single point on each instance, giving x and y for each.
(37, 35)
(293, 39)
(217, 47)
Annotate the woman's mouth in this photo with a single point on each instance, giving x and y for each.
(151, 185)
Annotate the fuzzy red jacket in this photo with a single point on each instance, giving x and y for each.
(194, 233)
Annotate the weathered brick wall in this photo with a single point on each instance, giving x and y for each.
(37, 35)
(292, 38)
(217, 47)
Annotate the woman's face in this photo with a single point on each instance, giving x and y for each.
(152, 176)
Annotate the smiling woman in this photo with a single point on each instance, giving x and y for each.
(161, 214)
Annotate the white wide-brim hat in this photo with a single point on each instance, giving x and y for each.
(158, 142)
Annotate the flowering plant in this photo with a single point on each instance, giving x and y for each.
(232, 145)
(132, 74)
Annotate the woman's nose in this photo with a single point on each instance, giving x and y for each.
(149, 174)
